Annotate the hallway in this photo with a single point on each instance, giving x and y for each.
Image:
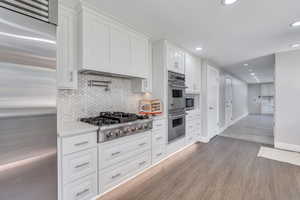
(255, 128)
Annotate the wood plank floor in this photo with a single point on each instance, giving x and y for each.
(225, 169)
(255, 128)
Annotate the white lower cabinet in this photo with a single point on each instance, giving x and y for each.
(82, 189)
(79, 164)
(112, 176)
(193, 127)
(158, 153)
(78, 178)
(111, 153)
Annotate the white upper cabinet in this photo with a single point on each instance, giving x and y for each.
(94, 42)
(66, 49)
(175, 59)
(110, 47)
(140, 56)
(120, 52)
(192, 73)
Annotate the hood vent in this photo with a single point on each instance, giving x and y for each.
(45, 10)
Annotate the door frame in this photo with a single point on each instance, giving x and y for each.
(210, 136)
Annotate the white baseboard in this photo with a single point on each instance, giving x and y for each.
(204, 139)
(285, 146)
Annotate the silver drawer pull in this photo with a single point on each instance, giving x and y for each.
(142, 144)
(159, 154)
(116, 176)
(82, 192)
(81, 143)
(82, 165)
(142, 163)
(158, 138)
(116, 153)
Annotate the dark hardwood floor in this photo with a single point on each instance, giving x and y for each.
(224, 169)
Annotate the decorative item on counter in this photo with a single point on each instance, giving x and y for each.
(150, 107)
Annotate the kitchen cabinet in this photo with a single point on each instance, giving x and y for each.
(192, 74)
(66, 49)
(144, 85)
(94, 35)
(175, 59)
(267, 89)
(109, 47)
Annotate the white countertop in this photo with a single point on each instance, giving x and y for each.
(75, 128)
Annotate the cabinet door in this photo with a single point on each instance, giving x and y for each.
(139, 47)
(120, 52)
(189, 73)
(95, 43)
(180, 59)
(171, 61)
(66, 50)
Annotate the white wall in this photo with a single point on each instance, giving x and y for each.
(287, 96)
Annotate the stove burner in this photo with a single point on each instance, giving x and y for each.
(109, 118)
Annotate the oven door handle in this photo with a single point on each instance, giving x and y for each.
(177, 116)
(178, 86)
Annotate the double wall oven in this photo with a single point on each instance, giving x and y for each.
(176, 106)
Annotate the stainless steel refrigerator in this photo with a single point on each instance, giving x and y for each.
(28, 130)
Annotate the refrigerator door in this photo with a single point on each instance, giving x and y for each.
(28, 130)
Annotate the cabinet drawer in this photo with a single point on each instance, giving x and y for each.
(79, 164)
(118, 151)
(83, 189)
(112, 176)
(79, 143)
(158, 137)
(158, 153)
(159, 124)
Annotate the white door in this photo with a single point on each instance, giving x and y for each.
(228, 101)
(212, 101)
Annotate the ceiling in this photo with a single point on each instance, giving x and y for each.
(263, 67)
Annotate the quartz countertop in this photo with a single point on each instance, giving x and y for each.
(75, 128)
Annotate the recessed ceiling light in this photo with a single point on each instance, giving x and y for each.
(295, 24)
(252, 74)
(228, 2)
(295, 45)
(246, 64)
(199, 48)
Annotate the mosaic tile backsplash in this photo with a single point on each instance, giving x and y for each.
(89, 101)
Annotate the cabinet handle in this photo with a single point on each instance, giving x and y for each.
(81, 143)
(142, 163)
(82, 165)
(116, 176)
(82, 192)
(142, 144)
(71, 76)
(115, 153)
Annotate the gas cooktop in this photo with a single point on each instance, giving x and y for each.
(110, 118)
(113, 125)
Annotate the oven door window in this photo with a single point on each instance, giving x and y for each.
(177, 93)
(177, 122)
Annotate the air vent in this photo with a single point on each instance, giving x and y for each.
(39, 9)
